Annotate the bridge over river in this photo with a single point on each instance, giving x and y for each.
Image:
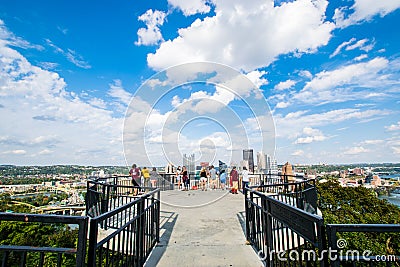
(202, 228)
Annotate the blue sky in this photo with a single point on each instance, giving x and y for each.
(89, 83)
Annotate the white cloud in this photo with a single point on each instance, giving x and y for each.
(16, 152)
(356, 150)
(293, 123)
(16, 41)
(310, 135)
(360, 44)
(256, 78)
(337, 85)
(71, 55)
(77, 59)
(393, 127)
(396, 150)
(364, 10)
(298, 153)
(191, 7)
(151, 35)
(373, 142)
(339, 48)
(117, 91)
(51, 119)
(282, 105)
(45, 152)
(305, 73)
(233, 36)
(48, 65)
(285, 85)
(361, 57)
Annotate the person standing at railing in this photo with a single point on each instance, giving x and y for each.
(154, 176)
(185, 178)
(213, 177)
(234, 180)
(135, 173)
(245, 178)
(178, 175)
(222, 179)
(203, 179)
(146, 176)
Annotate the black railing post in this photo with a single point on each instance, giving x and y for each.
(332, 245)
(158, 214)
(141, 227)
(93, 232)
(247, 211)
(81, 248)
(268, 223)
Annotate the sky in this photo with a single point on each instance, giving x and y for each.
(101, 83)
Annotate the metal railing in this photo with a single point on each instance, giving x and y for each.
(124, 226)
(123, 229)
(283, 226)
(14, 255)
(125, 235)
(279, 230)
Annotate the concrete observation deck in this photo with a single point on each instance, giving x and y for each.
(202, 228)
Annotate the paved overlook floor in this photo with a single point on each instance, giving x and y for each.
(202, 228)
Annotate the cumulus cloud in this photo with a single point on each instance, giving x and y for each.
(51, 120)
(282, 105)
(306, 74)
(256, 77)
(284, 85)
(291, 124)
(310, 135)
(248, 34)
(338, 85)
(363, 10)
(191, 7)
(151, 35)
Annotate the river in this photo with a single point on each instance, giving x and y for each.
(394, 199)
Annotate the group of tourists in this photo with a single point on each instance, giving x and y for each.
(182, 178)
(143, 177)
(208, 178)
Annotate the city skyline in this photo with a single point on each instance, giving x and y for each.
(328, 71)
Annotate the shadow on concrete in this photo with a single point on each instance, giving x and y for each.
(167, 224)
(242, 220)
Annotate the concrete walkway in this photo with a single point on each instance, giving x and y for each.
(202, 228)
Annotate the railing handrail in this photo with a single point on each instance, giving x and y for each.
(125, 206)
(81, 221)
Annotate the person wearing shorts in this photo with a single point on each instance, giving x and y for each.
(203, 179)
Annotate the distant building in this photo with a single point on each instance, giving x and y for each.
(376, 181)
(248, 155)
(244, 163)
(189, 162)
(169, 168)
(266, 163)
(261, 161)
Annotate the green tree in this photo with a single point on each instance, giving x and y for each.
(359, 205)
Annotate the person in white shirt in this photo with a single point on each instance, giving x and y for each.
(245, 178)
